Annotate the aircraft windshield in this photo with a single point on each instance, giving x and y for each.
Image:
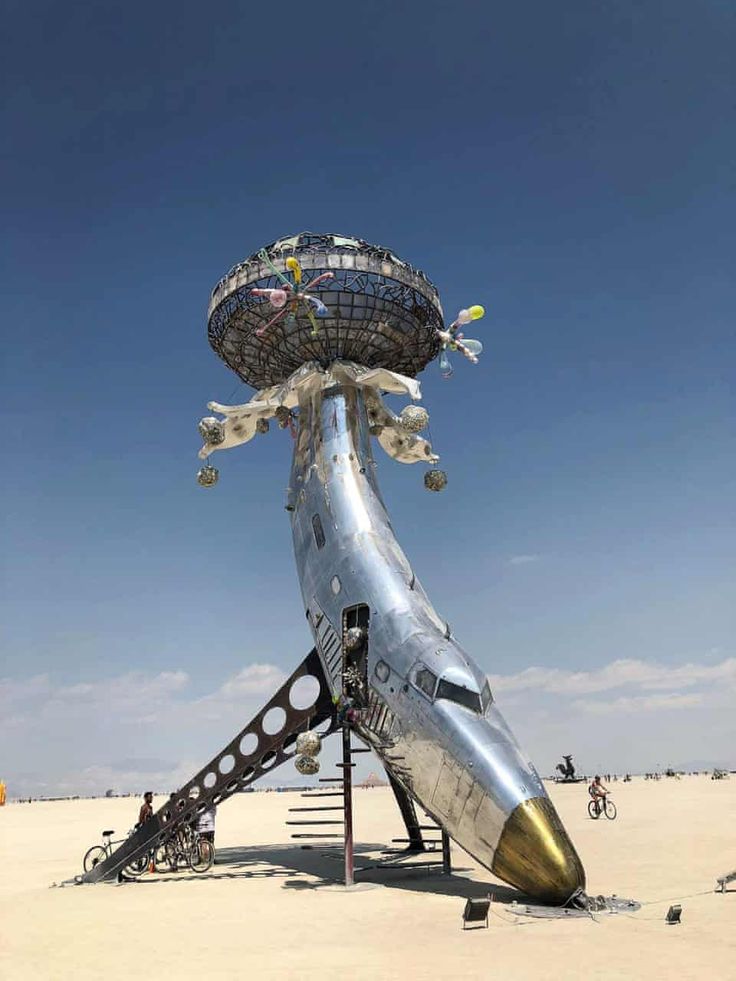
(462, 696)
(486, 696)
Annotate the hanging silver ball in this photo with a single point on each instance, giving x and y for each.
(308, 744)
(354, 637)
(414, 418)
(435, 480)
(262, 425)
(282, 416)
(306, 765)
(208, 476)
(211, 430)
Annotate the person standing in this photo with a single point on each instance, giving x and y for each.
(146, 811)
(206, 824)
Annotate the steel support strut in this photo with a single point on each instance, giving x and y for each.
(408, 813)
(347, 786)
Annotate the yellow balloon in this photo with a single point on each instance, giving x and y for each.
(477, 311)
(293, 264)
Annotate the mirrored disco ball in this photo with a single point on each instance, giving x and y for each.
(435, 480)
(308, 744)
(208, 476)
(306, 765)
(414, 418)
(211, 430)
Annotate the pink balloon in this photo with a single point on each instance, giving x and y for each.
(278, 299)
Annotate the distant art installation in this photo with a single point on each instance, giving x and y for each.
(323, 326)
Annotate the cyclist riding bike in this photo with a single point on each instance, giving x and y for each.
(597, 791)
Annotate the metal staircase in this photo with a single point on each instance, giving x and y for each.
(343, 789)
(254, 752)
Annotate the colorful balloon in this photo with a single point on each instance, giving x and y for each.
(475, 347)
(445, 366)
(293, 265)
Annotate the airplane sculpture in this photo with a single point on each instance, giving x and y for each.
(384, 663)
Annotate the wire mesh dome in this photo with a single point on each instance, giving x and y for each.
(342, 298)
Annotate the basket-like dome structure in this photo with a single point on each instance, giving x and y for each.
(380, 311)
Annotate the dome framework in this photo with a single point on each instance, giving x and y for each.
(381, 312)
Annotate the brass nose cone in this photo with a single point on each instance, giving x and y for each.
(535, 854)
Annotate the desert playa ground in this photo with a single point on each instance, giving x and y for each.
(270, 909)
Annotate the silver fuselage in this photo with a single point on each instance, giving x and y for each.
(462, 765)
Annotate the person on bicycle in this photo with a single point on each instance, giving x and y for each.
(597, 791)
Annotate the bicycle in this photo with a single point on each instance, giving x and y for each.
(185, 847)
(98, 853)
(596, 807)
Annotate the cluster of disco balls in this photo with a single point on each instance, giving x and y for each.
(212, 431)
(308, 746)
(414, 419)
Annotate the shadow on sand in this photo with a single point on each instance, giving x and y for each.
(322, 867)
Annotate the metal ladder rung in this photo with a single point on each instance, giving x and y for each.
(337, 793)
(317, 836)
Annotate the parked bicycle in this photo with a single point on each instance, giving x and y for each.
(185, 847)
(598, 806)
(182, 848)
(98, 853)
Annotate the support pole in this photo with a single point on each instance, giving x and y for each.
(408, 813)
(347, 785)
(446, 858)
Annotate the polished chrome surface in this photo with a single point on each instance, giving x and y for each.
(463, 766)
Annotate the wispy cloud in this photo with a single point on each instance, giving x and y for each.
(140, 730)
(524, 559)
(640, 703)
(646, 675)
(647, 705)
(135, 717)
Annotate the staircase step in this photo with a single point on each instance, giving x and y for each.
(302, 810)
(317, 836)
(427, 841)
(337, 793)
(406, 865)
(313, 823)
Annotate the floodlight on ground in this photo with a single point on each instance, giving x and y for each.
(673, 914)
(476, 911)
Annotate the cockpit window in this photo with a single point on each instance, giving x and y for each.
(463, 696)
(486, 696)
(425, 680)
(319, 533)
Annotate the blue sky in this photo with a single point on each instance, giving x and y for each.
(570, 167)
